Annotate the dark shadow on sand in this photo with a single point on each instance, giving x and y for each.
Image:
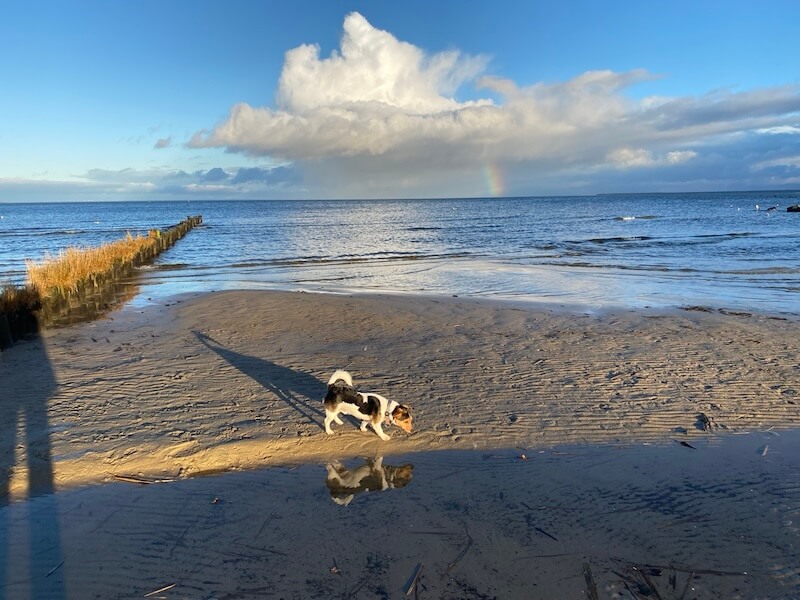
(24, 424)
(292, 387)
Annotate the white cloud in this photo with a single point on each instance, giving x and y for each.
(373, 68)
(282, 181)
(792, 162)
(381, 117)
(630, 158)
(786, 129)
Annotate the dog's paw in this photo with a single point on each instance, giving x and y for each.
(385, 437)
(329, 431)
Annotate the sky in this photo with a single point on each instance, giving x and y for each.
(246, 99)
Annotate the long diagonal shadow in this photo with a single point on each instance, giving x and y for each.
(292, 387)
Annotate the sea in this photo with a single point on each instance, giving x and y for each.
(723, 250)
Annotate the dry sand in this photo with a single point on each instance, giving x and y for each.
(234, 380)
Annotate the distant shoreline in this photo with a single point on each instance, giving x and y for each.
(477, 197)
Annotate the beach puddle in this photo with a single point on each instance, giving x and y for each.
(716, 518)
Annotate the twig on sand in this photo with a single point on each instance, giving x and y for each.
(461, 555)
(628, 581)
(539, 529)
(413, 580)
(347, 595)
(642, 571)
(529, 556)
(442, 533)
(265, 523)
(693, 571)
(686, 587)
(140, 480)
(54, 569)
(591, 586)
(158, 591)
(543, 532)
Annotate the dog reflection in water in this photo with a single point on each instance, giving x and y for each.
(344, 484)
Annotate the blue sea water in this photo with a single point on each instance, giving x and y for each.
(632, 250)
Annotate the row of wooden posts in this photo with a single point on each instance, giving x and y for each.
(89, 298)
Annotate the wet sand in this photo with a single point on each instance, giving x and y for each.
(233, 381)
(665, 521)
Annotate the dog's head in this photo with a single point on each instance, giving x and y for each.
(399, 477)
(401, 416)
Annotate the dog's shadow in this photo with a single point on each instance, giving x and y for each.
(290, 386)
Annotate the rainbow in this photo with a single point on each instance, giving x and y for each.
(494, 180)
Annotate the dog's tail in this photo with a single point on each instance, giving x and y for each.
(338, 375)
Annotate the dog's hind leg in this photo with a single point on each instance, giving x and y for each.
(330, 416)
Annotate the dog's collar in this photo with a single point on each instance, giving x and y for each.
(388, 417)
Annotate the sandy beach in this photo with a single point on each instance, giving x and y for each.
(233, 381)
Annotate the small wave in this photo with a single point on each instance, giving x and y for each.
(375, 257)
(763, 271)
(617, 239)
(424, 228)
(635, 218)
(35, 232)
(166, 267)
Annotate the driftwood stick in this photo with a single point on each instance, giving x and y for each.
(54, 569)
(683, 569)
(591, 586)
(265, 523)
(461, 555)
(543, 532)
(648, 581)
(413, 580)
(686, 587)
(158, 591)
(353, 592)
(140, 480)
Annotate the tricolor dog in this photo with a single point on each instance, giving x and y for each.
(372, 409)
(344, 484)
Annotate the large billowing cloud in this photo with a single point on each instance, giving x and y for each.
(380, 117)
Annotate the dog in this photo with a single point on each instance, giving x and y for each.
(345, 484)
(372, 409)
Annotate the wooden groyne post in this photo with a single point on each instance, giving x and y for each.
(24, 309)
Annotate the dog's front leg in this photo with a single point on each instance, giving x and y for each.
(379, 430)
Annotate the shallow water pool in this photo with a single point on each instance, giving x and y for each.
(715, 518)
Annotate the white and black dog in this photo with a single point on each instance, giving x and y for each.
(372, 409)
(344, 484)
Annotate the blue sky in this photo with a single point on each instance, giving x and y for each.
(252, 99)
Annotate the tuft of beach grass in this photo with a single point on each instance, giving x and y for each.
(15, 299)
(75, 265)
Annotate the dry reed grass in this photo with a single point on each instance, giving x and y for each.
(75, 265)
(14, 298)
